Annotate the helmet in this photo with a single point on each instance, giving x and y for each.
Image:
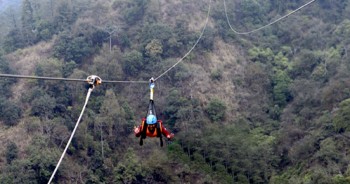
(151, 119)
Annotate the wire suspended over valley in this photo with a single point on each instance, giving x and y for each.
(205, 26)
(44, 78)
(269, 24)
(64, 79)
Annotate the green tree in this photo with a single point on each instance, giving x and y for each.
(216, 110)
(216, 75)
(154, 48)
(68, 68)
(328, 156)
(135, 11)
(340, 179)
(281, 92)
(18, 172)
(37, 167)
(72, 48)
(107, 64)
(42, 160)
(281, 62)
(28, 22)
(176, 107)
(112, 121)
(177, 75)
(305, 63)
(44, 30)
(156, 31)
(124, 40)
(128, 170)
(5, 85)
(132, 63)
(13, 41)
(207, 41)
(257, 54)
(342, 116)
(11, 152)
(10, 113)
(181, 41)
(251, 11)
(43, 106)
(64, 15)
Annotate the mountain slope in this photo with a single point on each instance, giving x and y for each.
(268, 107)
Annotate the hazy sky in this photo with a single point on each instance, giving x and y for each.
(6, 3)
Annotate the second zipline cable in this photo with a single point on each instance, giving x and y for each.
(269, 24)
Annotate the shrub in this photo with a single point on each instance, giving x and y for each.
(11, 152)
(216, 110)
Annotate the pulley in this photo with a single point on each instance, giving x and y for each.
(93, 80)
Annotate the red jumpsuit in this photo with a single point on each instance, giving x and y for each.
(163, 130)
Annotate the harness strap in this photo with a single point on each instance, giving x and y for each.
(144, 132)
(151, 108)
(144, 126)
(159, 133)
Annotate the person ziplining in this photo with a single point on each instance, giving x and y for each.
(151, 126)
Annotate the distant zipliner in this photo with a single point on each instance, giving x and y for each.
(150, 126)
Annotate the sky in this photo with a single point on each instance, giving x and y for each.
(8, 3)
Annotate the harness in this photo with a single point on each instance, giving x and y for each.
(158, 131)
(151, 110)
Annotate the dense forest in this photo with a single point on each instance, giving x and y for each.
(272, 106)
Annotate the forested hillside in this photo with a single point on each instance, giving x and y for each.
(269, 106)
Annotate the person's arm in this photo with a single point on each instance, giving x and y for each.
(137, 130)
(165, 132)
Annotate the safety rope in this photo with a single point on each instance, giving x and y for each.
(71, 137)
(206, 23)
(269, 24)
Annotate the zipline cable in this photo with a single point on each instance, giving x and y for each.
(63, 79)
(104, 81)
(37, 77)
(206, 23)
(71, 137)
(273, 22)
